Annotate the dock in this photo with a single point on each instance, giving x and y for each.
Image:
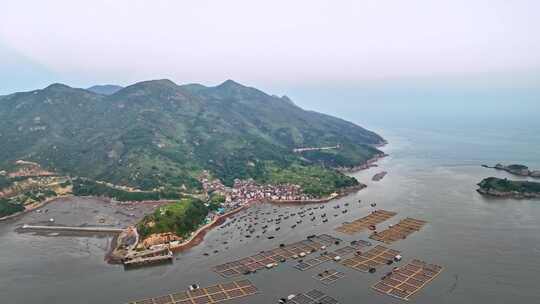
(72, 229)
(148, 257)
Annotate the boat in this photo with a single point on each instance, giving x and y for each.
(193, 287)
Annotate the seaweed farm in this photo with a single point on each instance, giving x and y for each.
(371, 259)
(209, 295)
(277, 255)
(373, 219)
(399, 231)
(408, 280)
(329, 276)
(313, 297)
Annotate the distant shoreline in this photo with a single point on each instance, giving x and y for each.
(33, 207)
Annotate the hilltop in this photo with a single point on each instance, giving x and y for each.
(157, 135)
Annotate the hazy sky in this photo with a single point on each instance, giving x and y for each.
(276, 45)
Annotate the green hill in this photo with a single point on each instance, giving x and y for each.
(157, 133)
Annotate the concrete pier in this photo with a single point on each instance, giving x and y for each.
(73, 229)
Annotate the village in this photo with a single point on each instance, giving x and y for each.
(158, 248)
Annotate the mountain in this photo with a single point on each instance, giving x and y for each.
(157, 133)
(106, 89)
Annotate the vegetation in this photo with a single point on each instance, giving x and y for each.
(157, 134)
(83, 187)
(181, 217)
(517, 167)
(505, 185)
(8, 207)
(314, 180)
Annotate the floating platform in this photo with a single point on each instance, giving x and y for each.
(313, 262)
(341, 252)
(329, 276)
(209, 295)
(373, 258)
(313, 297)
(399, 231)
(408, 280)
(358, 225)
(277, 255)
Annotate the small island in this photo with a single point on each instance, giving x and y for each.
(377, 177)
(499, 187)
(516, 169)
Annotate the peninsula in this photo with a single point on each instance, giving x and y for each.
(202, 152)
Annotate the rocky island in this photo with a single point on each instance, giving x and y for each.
(516, 169)
(377, 177)
(499, 187)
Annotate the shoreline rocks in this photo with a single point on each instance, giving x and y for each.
(377, 177)
(366, 165)
(508, 194)
(516, 169)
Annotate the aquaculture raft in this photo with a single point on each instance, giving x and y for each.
(399, 231)
(313, 297)
(358, 225)
(209, 295)
(329, 256)
(373, 258)
(408, 280)
(264, 258)
(329, 276)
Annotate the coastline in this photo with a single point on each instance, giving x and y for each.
(508, 194)
(341, 194)
(199, 234)
(33, 207)
(366, 165)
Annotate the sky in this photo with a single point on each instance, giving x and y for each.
(300, 48)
